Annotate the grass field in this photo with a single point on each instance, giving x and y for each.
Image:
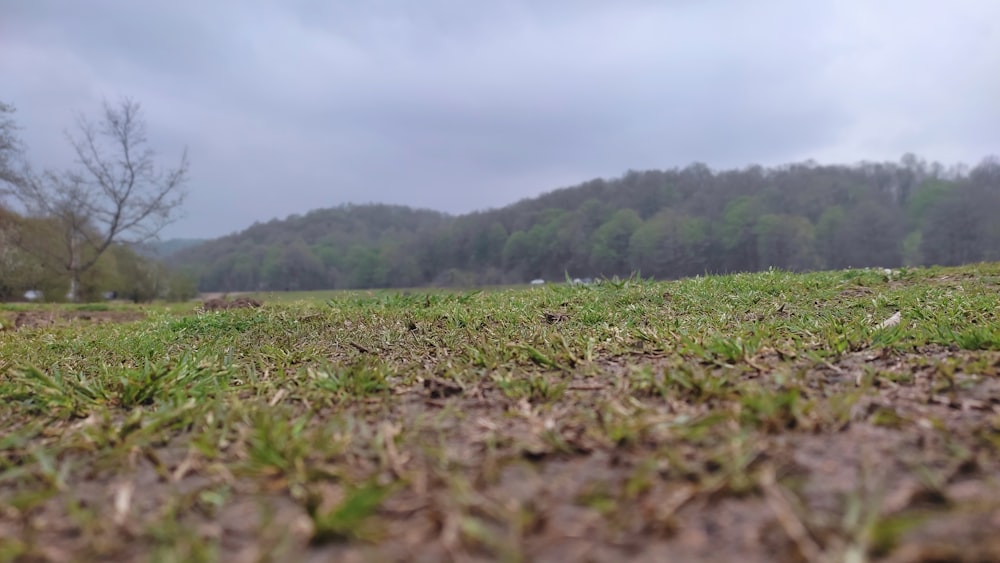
(754, 417)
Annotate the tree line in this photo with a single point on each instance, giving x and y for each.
(77, 233)
(661, 223)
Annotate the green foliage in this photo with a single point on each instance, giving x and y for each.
(360, 379)
(346, 520)
(666, 224)
(343, 247)
(912, 255)
(869, 233)
(610, 251)
(31, 259)
(926, 198)
(20, 271)
(180, 286)
(670, 242)
(75, 394)
(489, 246)
(786, 242)
(962, 227)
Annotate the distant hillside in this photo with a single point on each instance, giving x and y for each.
(346, 246)
(664, 223)
(165, 248)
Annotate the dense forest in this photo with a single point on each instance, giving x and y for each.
(665, 224)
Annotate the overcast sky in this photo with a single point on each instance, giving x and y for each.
(457, 105)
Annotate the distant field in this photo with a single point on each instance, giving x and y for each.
(324, 295)
(837, 416)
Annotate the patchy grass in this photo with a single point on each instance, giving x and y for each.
(753, 417)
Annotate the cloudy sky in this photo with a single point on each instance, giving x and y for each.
(457, 105)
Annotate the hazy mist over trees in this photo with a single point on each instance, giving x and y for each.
(665, 224)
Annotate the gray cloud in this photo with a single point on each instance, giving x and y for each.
(453, 105)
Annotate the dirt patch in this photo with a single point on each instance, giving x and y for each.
(907, 473)
(607, 472)
(41, 319)
(223, 304)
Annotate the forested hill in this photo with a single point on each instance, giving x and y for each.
(665, 224)
(346, 246)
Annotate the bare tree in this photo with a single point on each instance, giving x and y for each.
(118, 194)
(10, 148)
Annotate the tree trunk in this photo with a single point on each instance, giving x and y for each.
(74, 287)
(74, 270)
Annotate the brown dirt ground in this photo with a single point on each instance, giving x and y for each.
(919, 448)
(38, 318)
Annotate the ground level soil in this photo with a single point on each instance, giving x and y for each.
(51, 317)
(917, 455)
(910, 472)
(45, 318)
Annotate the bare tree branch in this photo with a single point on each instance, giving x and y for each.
(11, 150)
